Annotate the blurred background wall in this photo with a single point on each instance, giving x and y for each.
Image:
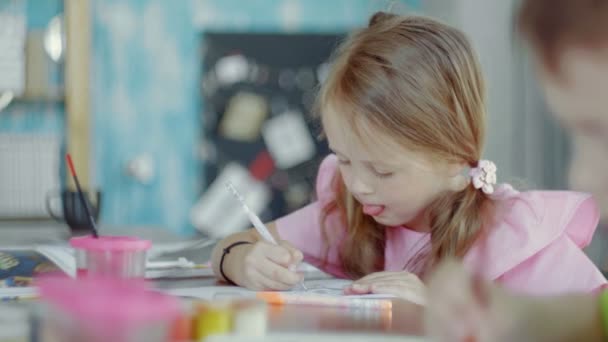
(146, 103)
(149, 85)
(530, 149)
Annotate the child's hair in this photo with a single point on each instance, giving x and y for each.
(419, 81)
(553, 25)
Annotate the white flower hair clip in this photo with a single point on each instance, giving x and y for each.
(484, 176)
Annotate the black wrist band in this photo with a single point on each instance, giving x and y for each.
(226, 251)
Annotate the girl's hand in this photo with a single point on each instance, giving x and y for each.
(267, 266)
(401, 284)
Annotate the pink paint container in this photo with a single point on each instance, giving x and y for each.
(105, 309)
(110, 256)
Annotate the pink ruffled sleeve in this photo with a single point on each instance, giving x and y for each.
(303, 229)
(562, 266)
(559, 268)
(537, 247)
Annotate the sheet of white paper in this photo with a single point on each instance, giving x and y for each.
(326, 287)
(334, 287)
(212, 292)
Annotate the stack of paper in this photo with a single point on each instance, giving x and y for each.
(326, 287)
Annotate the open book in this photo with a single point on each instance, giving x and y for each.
(19, 267)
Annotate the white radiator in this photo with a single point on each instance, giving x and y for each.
(29, 170)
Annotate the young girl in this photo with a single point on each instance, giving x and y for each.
(569, 41)
(403, 112)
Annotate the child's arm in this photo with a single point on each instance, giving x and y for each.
(257, 264)
(456, 311)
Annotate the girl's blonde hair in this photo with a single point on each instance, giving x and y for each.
(418, 81)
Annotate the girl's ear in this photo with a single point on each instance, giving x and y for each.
(457, 179)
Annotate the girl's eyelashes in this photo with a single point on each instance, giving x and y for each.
(382, 174)
(378, 172)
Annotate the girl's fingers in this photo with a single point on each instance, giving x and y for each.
(357, 289)
(401, 291)
(296, 254)
(279, 274)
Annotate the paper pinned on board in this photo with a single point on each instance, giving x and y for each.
(288, 139)
(218, 214)
(244, 116)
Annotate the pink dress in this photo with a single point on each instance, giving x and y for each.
(534, 247)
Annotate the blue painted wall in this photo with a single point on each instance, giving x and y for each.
(145, 90)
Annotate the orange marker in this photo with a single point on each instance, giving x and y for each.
(282, 298)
